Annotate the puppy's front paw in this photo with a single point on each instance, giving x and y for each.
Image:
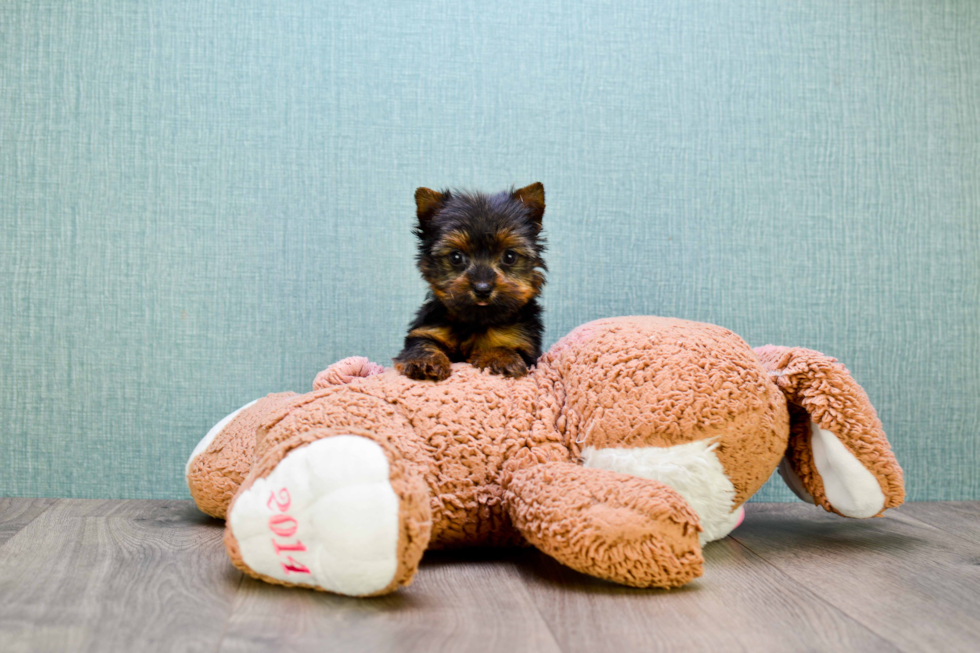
(429, 366)
(505, 362)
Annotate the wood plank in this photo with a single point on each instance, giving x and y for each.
(153, 575)
(909, 582)
(116, 576)
(740, 604)
(469, 600)
(960, 518)
(15, 514)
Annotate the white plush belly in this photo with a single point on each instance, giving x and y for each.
(692, 469)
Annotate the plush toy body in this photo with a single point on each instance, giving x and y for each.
(633, 442)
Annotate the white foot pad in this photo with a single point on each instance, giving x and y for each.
(326, 516)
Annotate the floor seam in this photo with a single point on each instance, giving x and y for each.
(537, 610)
(54, 502)
(231, 613)
(938, 528)
(817, 596)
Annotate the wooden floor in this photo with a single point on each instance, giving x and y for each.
(142, 576)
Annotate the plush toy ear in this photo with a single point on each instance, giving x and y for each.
(427, 202)
(533, 198)
(838, 456)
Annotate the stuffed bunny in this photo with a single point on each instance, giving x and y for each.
(632, 443)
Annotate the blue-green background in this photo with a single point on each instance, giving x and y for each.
(202, 202)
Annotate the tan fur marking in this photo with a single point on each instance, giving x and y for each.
(458, 287)
(507, 239)
(440, 334)
(455, 240)
(509, 337)
(532, 196)
(525, 292)
(499, 360)
(427, 199)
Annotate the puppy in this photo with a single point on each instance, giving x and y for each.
(481, 256)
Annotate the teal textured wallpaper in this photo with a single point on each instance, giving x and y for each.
(202, 202)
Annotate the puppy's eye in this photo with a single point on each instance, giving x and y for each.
(456, 258)
(509, 257)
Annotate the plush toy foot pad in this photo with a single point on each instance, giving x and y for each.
(325, 517)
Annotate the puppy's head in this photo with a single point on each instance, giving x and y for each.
(481, 254)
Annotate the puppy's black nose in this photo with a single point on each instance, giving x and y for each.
(482, 289)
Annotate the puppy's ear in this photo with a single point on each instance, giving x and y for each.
(427, 203)
(533, 198)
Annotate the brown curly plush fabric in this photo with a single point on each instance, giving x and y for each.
(215, 476)
(345, 371)
(459, 432)
(820, 388)
(481, 459)
(625, 529)
(647, 381)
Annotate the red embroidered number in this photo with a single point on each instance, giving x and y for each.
(295, 566)
(284, 526)
(299, 546)
(282, 502)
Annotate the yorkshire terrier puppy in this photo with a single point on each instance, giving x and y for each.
(481, 256)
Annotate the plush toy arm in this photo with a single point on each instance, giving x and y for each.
(838, 456)
(223, 458)
(618, 527)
